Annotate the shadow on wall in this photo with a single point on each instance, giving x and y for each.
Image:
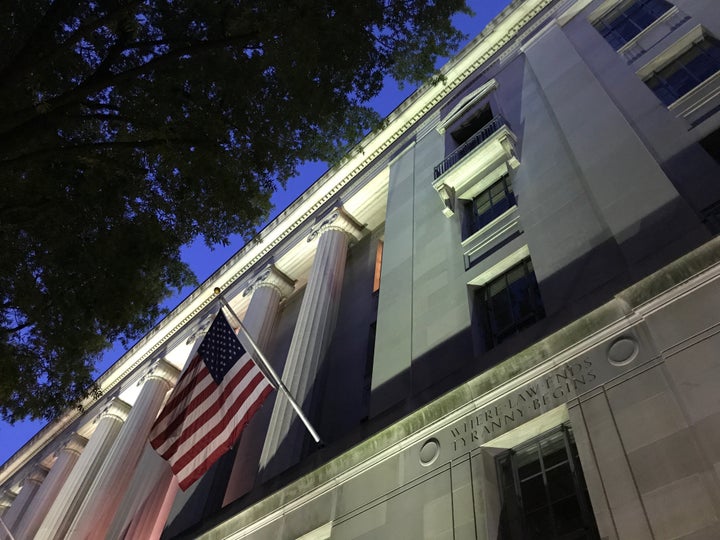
(578, 288)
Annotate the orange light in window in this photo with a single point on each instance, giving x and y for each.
(378, 266)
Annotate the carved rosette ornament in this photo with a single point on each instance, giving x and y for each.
(337, 220)
(273, 278)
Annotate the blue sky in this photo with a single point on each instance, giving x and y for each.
(204, 261)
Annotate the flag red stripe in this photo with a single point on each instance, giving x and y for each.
(203, 376)
(202, 419)
(188, 479)
(213, 408)
(182, 389)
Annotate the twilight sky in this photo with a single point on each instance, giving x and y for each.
(205, 261)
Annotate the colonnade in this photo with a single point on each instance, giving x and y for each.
(114, 485)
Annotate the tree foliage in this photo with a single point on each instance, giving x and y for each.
(130, 127)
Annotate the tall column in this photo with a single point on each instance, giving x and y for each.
(67, 456)
(22, 502)
(102, 500)
(268, 289)
(313, 331)
(148, 500)
(70, 497)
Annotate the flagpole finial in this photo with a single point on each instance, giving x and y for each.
(217, 291)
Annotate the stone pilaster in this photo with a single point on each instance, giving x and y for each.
(312, 335)
(104, 496)
(65, 460)
(24, 499)
(70, 497)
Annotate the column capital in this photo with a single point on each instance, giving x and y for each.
(273, 278)
(74, 444)
(161, 370)
(36, 475)
(338, 220)
(114, 408)
(6, 498)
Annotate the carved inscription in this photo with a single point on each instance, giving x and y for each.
(541, 394)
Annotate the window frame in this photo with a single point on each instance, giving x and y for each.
(516, 526)
(628, 11)
(486, 310)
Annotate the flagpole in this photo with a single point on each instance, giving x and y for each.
(10, 536)
(260, 357)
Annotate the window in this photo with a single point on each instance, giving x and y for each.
(472, 125)
(509, 303)
(711, 217)
(628, 19)
(378, 266)
(543, 491)
(687, 71)
(487, 206)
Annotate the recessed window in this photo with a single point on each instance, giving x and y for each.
(628, 19)
(687, 71)
(543, 491)
(509, 303)
(487, 206)
(378, 266)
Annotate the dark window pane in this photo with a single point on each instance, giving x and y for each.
(560, 482)
(568, 516)
(551, 503)
(489, 205)
(628, 19)
(686, 72)
(532, 492)
(538, 525)
(510, 303)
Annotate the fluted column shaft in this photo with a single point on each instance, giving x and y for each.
(67, 456)
(68, 501)
(267, 292)
(312, 335)
(98, 508)
(148, 499)
(23, 501)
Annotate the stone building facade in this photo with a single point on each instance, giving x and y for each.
(501, 311)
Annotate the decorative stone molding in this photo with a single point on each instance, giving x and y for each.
(201, 329)
(75, 444)
(274, 278)
(447, 194)
(161, 370)
(115, 408)
(6, 498)
(338, 220)
(36, 475)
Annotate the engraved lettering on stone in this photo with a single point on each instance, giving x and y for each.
(545, 393)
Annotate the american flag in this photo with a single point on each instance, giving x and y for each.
(213, 401)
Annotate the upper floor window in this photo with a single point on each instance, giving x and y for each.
(628, 19)
(676, 78)
(487, 206)
(378, 266)
(509, 303)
